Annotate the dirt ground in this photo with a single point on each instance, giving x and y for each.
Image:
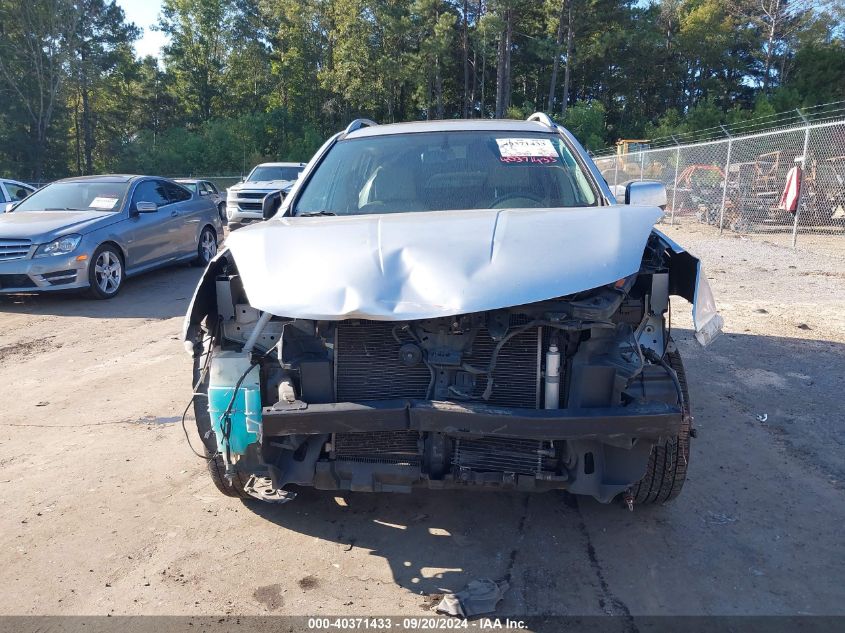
(106, 510)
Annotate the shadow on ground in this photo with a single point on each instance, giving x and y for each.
(437, 541)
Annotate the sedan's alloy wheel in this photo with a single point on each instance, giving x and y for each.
(208, 245)
(108, 271)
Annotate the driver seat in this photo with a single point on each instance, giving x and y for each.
(395, 189)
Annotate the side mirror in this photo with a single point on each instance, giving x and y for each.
(146, 207)
(8, 207)
(270, 204)
(646, 193)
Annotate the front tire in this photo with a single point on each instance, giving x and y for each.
(105, 273)
(214, 461)
(221, 210)
(667, 465)
(217, 470)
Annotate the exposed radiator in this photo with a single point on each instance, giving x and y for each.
(500, 454)
(382, 447)
(367, 365)
(516, 380)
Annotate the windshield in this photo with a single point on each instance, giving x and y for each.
(437, 171)
(188, 185)
(76, 196)
(274, 173)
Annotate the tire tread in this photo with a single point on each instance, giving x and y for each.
(668, 462)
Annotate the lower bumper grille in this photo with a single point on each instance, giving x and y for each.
(16, 281)
(501, 455)
(385, 447)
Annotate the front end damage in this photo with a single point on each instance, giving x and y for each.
(570, 392)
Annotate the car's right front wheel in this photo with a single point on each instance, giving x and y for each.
(667, 465)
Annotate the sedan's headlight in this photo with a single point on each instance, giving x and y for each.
(62, 246)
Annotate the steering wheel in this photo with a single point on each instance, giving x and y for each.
(498, 203)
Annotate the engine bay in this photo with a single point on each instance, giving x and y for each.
(481, 398)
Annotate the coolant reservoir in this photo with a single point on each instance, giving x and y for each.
(244, 416)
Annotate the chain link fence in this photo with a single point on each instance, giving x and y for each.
(740, 183)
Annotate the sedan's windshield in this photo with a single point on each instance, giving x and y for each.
(76, 196)
(271, 172)
(437, 171)
(188, 185)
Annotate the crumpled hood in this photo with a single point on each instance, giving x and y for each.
(409, 266)
(45, 226)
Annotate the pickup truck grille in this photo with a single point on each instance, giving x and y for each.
(248, 200)
(14, 249)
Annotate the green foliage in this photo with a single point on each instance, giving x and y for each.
(247, 80)
(818, 73)
(198, 54)
(587, 122)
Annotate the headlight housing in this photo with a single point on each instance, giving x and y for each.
(61, 246)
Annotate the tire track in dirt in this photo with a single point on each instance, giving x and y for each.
(25, 349)
(609, 602)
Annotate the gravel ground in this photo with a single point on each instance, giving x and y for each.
(106, 511)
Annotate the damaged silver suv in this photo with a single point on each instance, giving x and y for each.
(450, 304)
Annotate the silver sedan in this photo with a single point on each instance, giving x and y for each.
(93, 232)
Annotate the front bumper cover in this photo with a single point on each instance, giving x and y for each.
(43, 274)
(649, 420)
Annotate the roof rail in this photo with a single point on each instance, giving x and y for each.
(357, 124)
(542, 117)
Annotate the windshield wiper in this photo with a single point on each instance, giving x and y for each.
(315, 213)
(63, 209)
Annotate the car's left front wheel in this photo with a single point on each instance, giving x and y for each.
(105, 274)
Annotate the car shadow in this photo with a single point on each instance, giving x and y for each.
(160, 294)
(434, 542)
(437, 541)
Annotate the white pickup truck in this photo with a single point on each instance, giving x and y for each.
(243, 200)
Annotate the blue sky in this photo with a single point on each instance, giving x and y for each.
(144, 13)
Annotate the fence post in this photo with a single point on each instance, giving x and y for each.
(642, 163)
(725, 184)
(675, 182)
(615, 172)
(801, 182)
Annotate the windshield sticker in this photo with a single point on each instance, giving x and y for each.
(103, 203)
(526, 150)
